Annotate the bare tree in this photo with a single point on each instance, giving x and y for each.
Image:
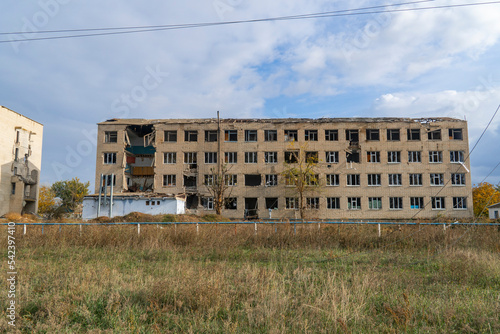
(300, 172)
(218, 184)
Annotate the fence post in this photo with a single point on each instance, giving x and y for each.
(80, 229)
(197, 228)
(319, 226)
(379, 231)
(175, 229)
(59, 228)
(255, 227)
(295, 228)
(24, 229)
(42, 228)
(138, 228)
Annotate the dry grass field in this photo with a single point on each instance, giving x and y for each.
(226, 279)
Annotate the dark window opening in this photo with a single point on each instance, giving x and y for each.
(271, 203)
(331, 135)
(434, 134)
(291, 135)
(372, 134)
(192, 202)
(189, 181)
(230, 203)
(413, 134)
(393, 135)
(270, 135)
(13, 188)
(455, 134)
(352, 135)
(253, 180)
(210, 135)
(170, 136)
(291, 157)
(231, 135)
(250, 135)
(190, 135)
(352, 156)
(312, 157)
(110, 137)
(311, 135)
(251, 208)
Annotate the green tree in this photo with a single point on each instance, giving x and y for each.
(484, 195)
(300, 172)
(71, 192)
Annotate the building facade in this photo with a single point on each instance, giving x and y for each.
(21, 160)
(366, 168)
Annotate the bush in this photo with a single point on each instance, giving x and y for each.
(169, 218)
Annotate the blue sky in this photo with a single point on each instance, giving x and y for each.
(438, 63)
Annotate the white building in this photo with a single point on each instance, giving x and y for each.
(124, 204)
(494, 211)
(20, 161)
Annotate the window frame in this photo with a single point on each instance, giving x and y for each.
(251, 157)
(332, 177)
(452, 133)
(168, 157)
(374, 177)
(190, 136)
(173, 180)
(310, 135)
(211, 136)
(413, 135)
(395, 180)
(332, 157)
(415, 156)
(251, 136)
(271, 157)
(231, 157)
(395, 203)
(435, 155)
(393, 157)
(415, 179)
(270, 135)
(439, 177)
(331, 135)
(378, 201)
(372, 134)
(271, 180)
(109, 158)
(333, 203)
(434, 135)
(291, 135)
(373, 157)
(231, 136)
(353, 200)
(353, 180)
(111, 137)
(391, 134)
(210, 157)
(170, 136)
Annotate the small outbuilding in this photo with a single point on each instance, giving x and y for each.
(123, 204)
(494, 211)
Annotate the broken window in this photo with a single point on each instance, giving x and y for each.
(437, 179)
(190, 135)
(312, 203)
(311, 135)
(332, 157)
(455, 134)
(393, 135)
(210, 135)
(291, 135)
(110, 158)
(251, 207)
(416, 202)
(210, 157)
(395, 180)
(208, 203)
(169, 180)
(110, 137)
(230, 203)
(271, 203)
(332, 180)
(291, 157)
(437, 203)
(434, 134)
(373, 134)
(169, 158)
(17, 136)
(251, 157)
(457, 156)
(352, 135)
(191, 202)
(209, 179)
(231, 135)
(312, 157)
(291, 203)
(413, 134)
(458, 179)
(190, 181)
(354, 203)
(270, 135)
(435, 156)
(415, 179)
(374, 180)
(459, 203)
(312, 179)
(231, 157)
(353, 180)
(271, 180)
(12, 188)
(333, 203)
(16, 154)
(251, 135)
(107, 179)
(394, 157)
(352, 156)
(230, 179)
(373, 156)
(396, 203)
(414, 156)
(375, 203)
(331, 135)
(271, 157)
(253, 180)
(170, 136)
(190, 158)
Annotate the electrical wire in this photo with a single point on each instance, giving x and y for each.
(210, 24)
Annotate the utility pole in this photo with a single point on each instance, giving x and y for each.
(219, 158)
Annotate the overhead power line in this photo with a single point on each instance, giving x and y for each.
(142, 29)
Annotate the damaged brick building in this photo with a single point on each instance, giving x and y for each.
(368, 168)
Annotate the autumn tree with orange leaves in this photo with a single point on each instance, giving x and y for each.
(484, 195)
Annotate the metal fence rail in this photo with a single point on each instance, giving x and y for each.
(255, 223)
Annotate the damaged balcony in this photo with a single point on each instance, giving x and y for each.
(140, 157)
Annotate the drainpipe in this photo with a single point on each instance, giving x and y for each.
(111, 197)
(99, 201)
